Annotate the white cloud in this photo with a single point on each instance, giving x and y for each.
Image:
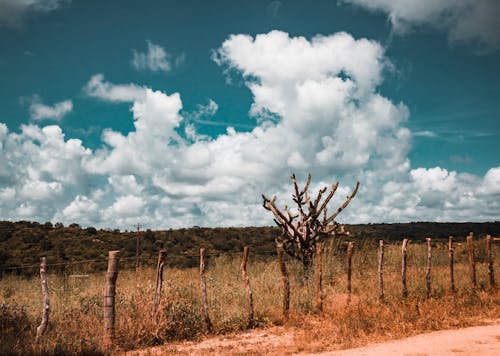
(12, 12)
(317, 109)
(40, 111)
(491, 182)
(425, 133)
(474, 21)
(82, 210)
(97, 88)
(156, 59)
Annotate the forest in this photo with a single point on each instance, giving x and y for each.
(22, 243)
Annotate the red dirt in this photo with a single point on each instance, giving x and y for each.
(477, 341)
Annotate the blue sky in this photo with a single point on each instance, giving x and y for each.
(182, 113)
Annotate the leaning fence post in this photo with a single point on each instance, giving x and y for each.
(428, 270)
(286, 281)
(491, 272)
(203, 287)
(472, 263)
(159, 280)
(403, 269)
(380, 269)
(350, 248)
(109, 297)
(248, 288)
(40, 330)
(319, 277)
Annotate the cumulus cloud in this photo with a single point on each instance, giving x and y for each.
(474, 21)
(12, 12)
(317, 110)
(155, 59)
(40, 111)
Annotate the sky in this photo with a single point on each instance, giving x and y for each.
(180, 113)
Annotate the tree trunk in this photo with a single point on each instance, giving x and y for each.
(286, 281)
(319, 277)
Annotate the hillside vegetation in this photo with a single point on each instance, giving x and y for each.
(22, 243)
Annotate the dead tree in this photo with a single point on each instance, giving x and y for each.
(301, 232)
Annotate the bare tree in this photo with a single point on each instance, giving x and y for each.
(302, 231)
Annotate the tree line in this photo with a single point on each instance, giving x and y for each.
(22, 243)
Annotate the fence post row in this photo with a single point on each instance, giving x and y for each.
(159, 280)
(286, 281)
(248, 288)
(380, 269)
(112, 275)
(40, 330)
(203, 287)
(319, 277)
(472, 263)
(404, 291)
(109, 297)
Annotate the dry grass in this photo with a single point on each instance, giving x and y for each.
(76, 303)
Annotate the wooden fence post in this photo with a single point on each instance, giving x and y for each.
(248, 289)
(109, 297)
(350, 248)
(428, 270)
(450, 257)
(40, 330)
(286, 281)
(489, 252)
(472, 263)
(203, 287)
(380, 269)
(404, 291)
(319, 277)
(159, 280)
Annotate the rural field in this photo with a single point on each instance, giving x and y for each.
(341, 321)
(249, 177)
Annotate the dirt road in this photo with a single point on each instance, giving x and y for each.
(477, 341)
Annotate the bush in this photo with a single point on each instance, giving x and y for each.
(15, 329)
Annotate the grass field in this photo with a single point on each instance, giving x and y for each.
(75, 324)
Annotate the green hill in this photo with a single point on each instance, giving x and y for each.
(22, 243)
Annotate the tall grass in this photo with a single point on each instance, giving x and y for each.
(75, 324)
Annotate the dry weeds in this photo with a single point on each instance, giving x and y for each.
(76, 304)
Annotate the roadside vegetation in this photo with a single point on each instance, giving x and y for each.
(75, 323)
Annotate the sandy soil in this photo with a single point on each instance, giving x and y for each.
(478, 340)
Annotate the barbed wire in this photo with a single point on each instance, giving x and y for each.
(67, 263)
